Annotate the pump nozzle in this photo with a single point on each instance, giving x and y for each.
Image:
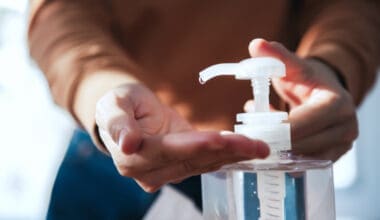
(259, 70)
(223, 69)
(247, 69)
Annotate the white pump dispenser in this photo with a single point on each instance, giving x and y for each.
(283, 186)
(271, 127)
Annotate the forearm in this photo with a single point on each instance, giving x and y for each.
(72, 43)
(345, 35)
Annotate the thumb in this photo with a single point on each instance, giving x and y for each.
(119, 124)
(294, 87)
(260, 47)
(130, 136)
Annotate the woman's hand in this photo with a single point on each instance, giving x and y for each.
(322, 113)
(151, 143)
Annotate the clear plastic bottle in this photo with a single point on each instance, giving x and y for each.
(281, 187)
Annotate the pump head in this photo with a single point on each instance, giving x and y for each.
(259, 70)
(271, 127)
(247, 69)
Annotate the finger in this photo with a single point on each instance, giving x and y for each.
(162, 151)
(342, 134)
(293, 86)
(154, 180)
(177, 123)
(261, 47)
(318, 113)
(107, 140)
(119, 121)
(189, 144)
(249, 106)
(205, 161)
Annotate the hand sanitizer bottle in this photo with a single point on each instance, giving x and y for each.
(281, 187)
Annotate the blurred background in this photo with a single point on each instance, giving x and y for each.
(34, 134)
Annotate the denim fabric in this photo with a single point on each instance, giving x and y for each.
(88, 186)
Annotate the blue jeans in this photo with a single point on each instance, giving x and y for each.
(88, 186)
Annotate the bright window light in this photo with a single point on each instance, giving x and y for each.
(345, 170)
(14, 5)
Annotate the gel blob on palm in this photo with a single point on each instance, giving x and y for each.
(281, 187)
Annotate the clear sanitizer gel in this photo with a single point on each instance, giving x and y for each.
(281, 187)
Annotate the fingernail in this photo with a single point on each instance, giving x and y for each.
(129, 141)
(122, 135)
(252, 45)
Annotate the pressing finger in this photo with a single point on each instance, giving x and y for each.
(119, 122)
(341, 134)
(315, 115)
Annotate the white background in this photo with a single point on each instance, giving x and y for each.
(34, 134)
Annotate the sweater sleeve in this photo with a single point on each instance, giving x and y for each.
(72, 42)
(345, 34)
